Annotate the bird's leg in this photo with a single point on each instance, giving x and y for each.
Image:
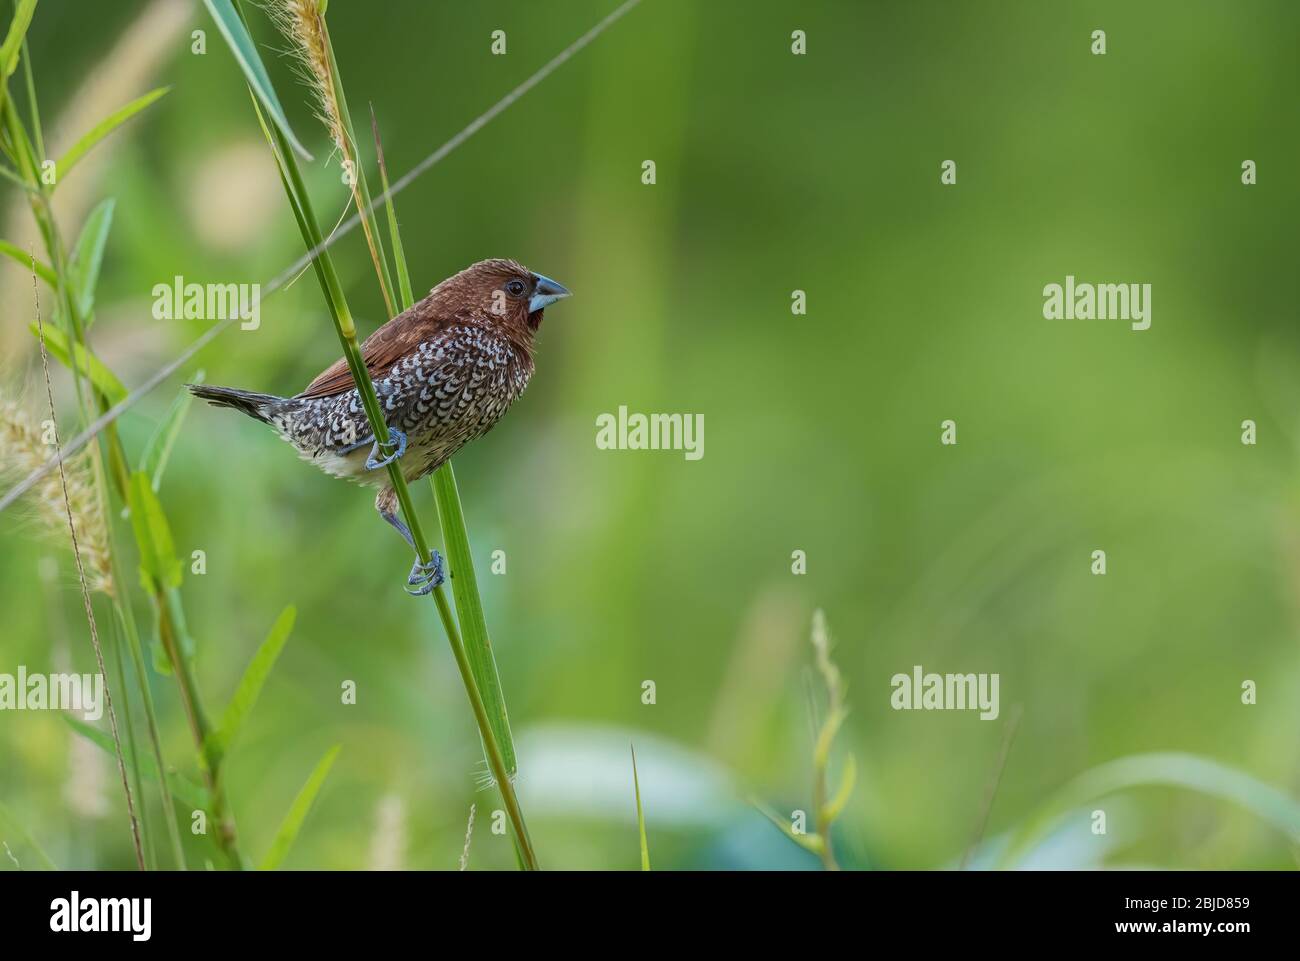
(378, 458)
(424, 577)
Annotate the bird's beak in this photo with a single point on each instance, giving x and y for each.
(545, 293)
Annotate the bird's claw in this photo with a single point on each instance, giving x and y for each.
(425, 577)
(374, 461)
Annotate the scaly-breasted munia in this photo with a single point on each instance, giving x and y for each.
(445, 371)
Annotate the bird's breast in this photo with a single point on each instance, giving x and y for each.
(454, 388)
(442, 394)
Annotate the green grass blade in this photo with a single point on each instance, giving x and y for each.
(158, 561)
(129, 745)
(394, 234)
(193, 796)
(464, 583)
(24, 185)
(19, 147)
(13, 44)
(11, 827)
(469, 611)
(298, 811)
(14, 252)
(33, 108)
(487, 721)
(369, 222)
(103, 129)
(88, 256)
(242, 47)
(640, 816)
(250, 685)
(103, 379)
(1165, 770)
(125, 619)
(159, 449)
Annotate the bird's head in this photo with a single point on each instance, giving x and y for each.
(503, 292)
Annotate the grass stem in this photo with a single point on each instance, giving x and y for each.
(323, 263)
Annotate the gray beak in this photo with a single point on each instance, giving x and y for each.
(545, 293)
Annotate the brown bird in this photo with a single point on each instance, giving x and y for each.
(445, 371)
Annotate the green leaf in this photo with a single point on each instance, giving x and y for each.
(33, 108)
(22, 185)
(24, 257)
(159, 566)
(292, 823)
(469, 611)
(241, 45)
(87, 257)
(103, 379)
(640, 816)
(394, 233)
(103, 129)
(158, 451)
(1166, 770)
(13, 44)
(193, 796)
(250, 685)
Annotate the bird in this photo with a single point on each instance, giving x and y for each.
(445, 371)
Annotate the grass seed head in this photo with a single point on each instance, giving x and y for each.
(22, 450)
(302, 22)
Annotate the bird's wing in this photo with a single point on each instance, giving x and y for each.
(380, 351)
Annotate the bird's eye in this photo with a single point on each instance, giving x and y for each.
(515, 288)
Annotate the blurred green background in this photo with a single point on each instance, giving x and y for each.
(774, 173)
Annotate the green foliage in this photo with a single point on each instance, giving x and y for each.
(91, 138)
(250, 685)
(88, 256)
(394, 232)
(191, 795)
(640, 816)
(153, 462)
(298, 811)
(104, 380)
(160, 568)
(241, 45)
(16, 253)
(469, 611)
(13, 42)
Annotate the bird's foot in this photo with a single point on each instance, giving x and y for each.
(377, 459)
(425, 577)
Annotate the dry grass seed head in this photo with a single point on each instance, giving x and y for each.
(22, 450)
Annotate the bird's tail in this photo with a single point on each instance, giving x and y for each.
(255, 405)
